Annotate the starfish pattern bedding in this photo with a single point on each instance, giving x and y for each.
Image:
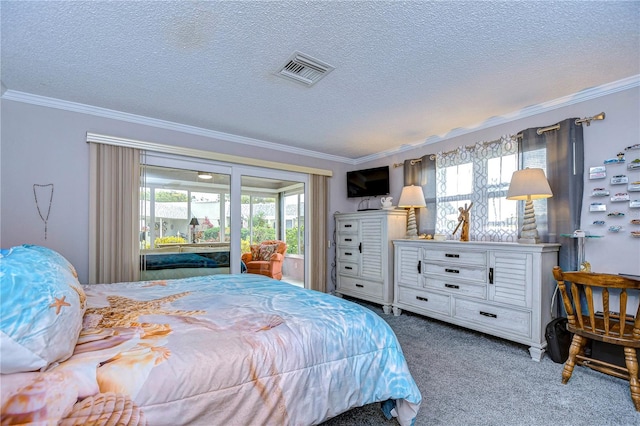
(225, 349)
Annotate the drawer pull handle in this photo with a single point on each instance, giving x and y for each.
(348, 253)
(359, 285)
(348, 239)
(452, 255)
(360, 247)
(453, 271)
(419, 266)
(487, 314)
(452, 286)
(348, 226)
(348, 267)
(490, 275)
(424, 299)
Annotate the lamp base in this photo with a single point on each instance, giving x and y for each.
(412, 229)
(529, 232)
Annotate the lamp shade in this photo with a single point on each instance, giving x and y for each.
(529, 184)
(412, 196)
(194, 222)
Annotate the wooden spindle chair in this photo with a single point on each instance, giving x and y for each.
(617, 328)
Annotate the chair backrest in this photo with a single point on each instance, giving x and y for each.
(584, 292)
(281, 245)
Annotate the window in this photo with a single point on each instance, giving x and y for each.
(294, 222)
(480, 175)
(172, 198)
(259, 219)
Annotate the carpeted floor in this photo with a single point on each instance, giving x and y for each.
(468, 378)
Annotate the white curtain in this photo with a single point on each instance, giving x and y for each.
(317, 223)
(478, 174)
(114, 248)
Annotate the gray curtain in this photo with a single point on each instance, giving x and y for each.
(423, 173)
(561, 154)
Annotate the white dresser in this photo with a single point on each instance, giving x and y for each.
(364, 254)
(502, 289)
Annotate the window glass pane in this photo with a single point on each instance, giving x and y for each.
(171, 216)
(301, 225)
(459, 179)
(273, 209)
(502, 213)
(205, 207)
(181, 215)
(500, 170)
(294, 223)
(480, 175)
(263, 218)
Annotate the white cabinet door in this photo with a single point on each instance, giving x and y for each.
(408, 265)
(512, 277)
(372, 237)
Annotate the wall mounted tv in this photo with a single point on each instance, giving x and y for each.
(368, 182)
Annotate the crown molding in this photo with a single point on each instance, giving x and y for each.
(582, 96)
(29, 98)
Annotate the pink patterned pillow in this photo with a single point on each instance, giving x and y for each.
(255, 251)
(267, 250)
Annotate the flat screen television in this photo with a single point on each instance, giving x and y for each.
(368, 182)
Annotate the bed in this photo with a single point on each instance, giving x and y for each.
(222, 349)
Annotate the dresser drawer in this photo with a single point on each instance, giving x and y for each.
(455, 256)
(371, 288)
(347, 226)
(500, 318)
(456, 272)
(435, 302)
(349, 254)
(348, 240)
(478, 291)
(349, 268)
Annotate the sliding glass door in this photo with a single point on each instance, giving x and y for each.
(184, 218)
(210, 214)
(273, 209)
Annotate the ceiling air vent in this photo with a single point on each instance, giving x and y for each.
(304, 69)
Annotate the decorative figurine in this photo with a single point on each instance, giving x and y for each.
(464, 219)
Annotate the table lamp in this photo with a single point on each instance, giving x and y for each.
(412, 197)
(194, 222)
(529, 184)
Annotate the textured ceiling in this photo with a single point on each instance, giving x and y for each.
(404, 71)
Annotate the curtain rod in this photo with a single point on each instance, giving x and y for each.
(433, 156)
(415, 160)
(540, 131)
(578, 122)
